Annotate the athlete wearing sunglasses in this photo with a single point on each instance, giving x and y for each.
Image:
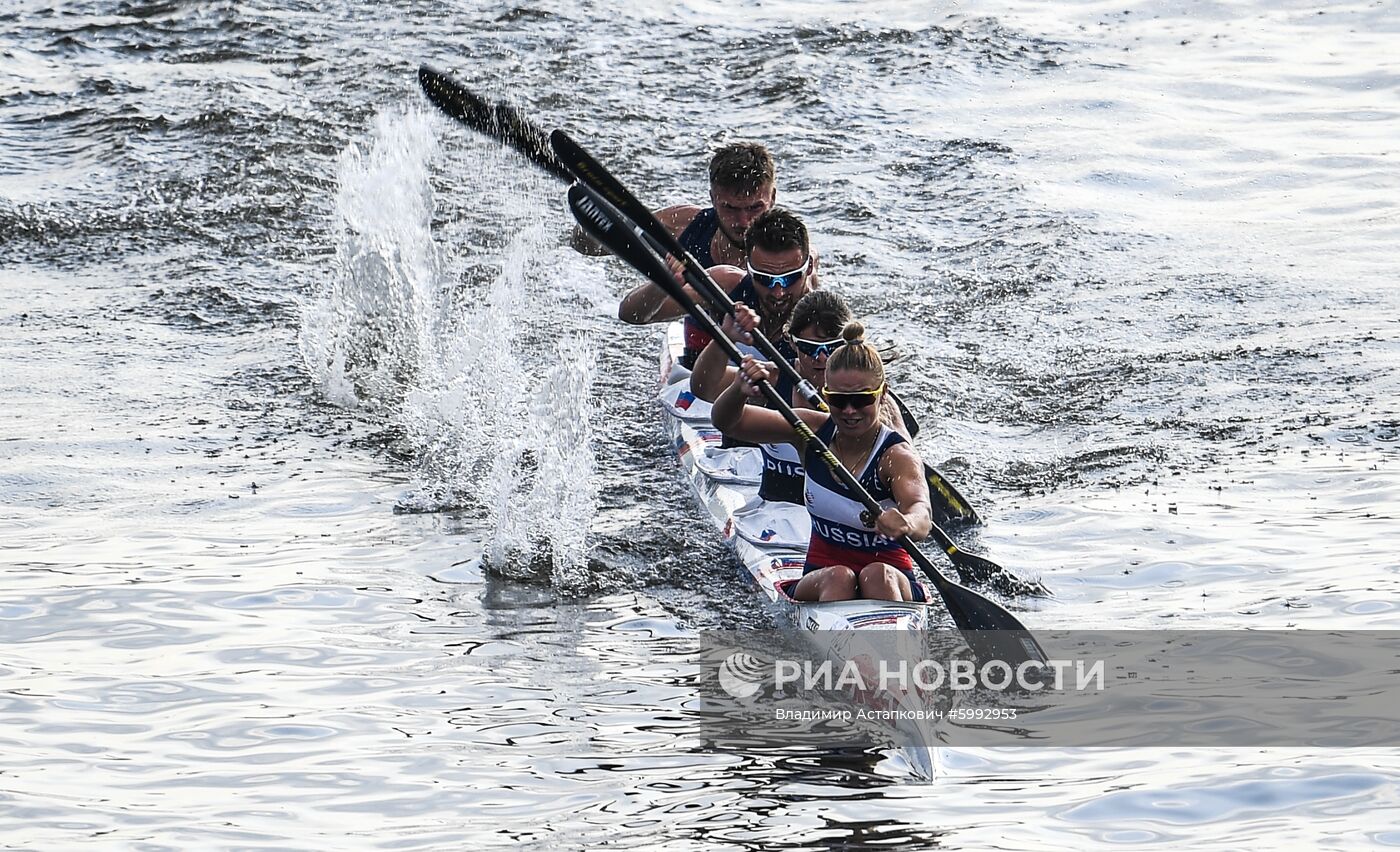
(814, 333)
(846, 557)
(779, 280)
(819, 314)
(779, 270)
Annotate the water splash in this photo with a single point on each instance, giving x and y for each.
(398, 332)
(512, 439)
(547, 475)
(378, 315)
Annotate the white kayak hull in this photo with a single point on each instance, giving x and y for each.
(769, 539)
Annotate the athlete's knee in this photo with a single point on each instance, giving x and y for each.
(882, 580)
(879, 572)
(838, 583)
(841, 573)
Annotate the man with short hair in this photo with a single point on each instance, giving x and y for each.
(742, 187)
(780, 270)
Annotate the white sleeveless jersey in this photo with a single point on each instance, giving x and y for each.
(836, 517)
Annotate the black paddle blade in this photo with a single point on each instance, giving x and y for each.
(601, 221)
(1013, 647)
(500, 121)
(976, 570)
(949, 505)
(991, 632)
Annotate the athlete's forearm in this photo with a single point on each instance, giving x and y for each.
(920, 517)
(728, 409)
(711, 373)
(644, 305)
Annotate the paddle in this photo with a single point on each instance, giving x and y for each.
(505, 124)
(991, 631)
(498, 120)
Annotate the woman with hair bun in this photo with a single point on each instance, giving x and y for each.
(846, 558)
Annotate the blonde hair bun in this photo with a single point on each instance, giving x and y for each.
(856, 354)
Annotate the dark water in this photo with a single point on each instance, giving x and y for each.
(334, 510)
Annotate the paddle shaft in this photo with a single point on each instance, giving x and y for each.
(593, 174)
(979, 618)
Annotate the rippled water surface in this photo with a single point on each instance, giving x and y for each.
(334, 510)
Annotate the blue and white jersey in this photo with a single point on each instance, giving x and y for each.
(836, 517)
(783, 477)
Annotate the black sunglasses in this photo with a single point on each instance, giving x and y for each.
(859, 399)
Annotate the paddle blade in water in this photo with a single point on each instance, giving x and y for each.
(975, 570)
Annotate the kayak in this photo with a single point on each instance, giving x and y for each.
(770, 539)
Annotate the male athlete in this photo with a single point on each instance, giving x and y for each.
(780, 269)
(742, 188)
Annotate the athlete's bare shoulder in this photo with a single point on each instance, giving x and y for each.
(677, 217)
(726, 276)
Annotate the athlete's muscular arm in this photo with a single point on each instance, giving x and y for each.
(677, 218)
(712, 372)
(733, 416)
(902, 468)
(648, 303)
